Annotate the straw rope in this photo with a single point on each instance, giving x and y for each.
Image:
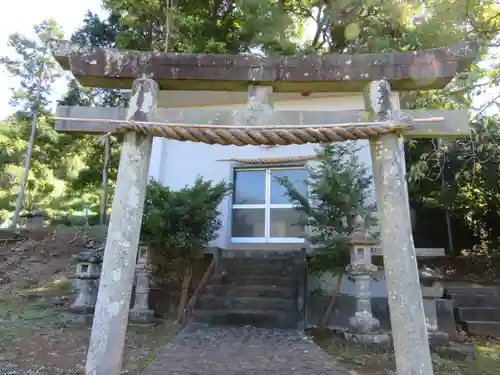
(265, 136)
(260, 135)
(285, 159)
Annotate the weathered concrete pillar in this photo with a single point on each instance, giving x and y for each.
(259, 107)
(405, 297)
(113, 300)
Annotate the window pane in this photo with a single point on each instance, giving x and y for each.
(287, 222)
(298, 177)
(248, 222)
(249, 187)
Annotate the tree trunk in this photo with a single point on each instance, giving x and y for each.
(27, 165)
(338, 287)
(104, 183)
(447, 217)
(186, 282)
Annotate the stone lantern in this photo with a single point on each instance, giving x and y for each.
(88, 271)
(141, 313)
(432, 289)
(34, 220)
(361, 270)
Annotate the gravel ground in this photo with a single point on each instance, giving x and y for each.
(203, 350)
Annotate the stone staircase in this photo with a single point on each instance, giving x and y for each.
(253, 288)
(477, 308)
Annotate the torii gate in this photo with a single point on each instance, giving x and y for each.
(374, 74)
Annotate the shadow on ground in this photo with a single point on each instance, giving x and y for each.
(369, 361)
(35, 339)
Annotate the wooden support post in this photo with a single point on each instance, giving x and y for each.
(103, 204)
(113, 300)
(409, 331)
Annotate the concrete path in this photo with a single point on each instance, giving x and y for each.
(203, 350)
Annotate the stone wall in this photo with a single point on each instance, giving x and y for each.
(346, 306)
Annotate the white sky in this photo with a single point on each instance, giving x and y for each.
(22, 15)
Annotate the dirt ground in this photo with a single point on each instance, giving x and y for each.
(35, 338)
(35, 291)
(370, 361)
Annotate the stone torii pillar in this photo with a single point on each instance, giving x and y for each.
(411, 343)
(113, 299)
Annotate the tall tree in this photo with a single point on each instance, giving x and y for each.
(97, 33)
(37, 71)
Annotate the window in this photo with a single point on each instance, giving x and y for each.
(261, 210)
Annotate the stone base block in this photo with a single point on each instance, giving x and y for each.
(458, 351)
(141, 317)
(78, 319)
(81, 310)
(363, 322)
(379, 339)
(438, 338)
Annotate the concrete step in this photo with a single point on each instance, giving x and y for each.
(268, 281)
(260, 254)
(207, 302)
(273, 263)
(473, 289)
(264, 269)
(262, 319)
(478, 314)
(250, 291)
(483, 328)
(475, 300)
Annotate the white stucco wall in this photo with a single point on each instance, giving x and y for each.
(177, 164)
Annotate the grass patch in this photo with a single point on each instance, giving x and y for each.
(31, 334)
(369, 361)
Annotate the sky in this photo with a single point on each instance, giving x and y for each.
(22, 15)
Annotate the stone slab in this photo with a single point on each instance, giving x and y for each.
(421, 252)
(454, 124)
(446, 318)
(207, 350)
(346, 306)
(438, 339)
(434, 291)
(408, 70)
(141, 317)
(460, 351)
(379, 339)
(483, 328)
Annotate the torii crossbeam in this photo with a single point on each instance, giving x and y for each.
(374, 74)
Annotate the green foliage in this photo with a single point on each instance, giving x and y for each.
(65, 171)
(279, 26)
(178, 225)
(34, 67)
(338, 188)
(461, 177)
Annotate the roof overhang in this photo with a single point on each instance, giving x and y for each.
(409, 70)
